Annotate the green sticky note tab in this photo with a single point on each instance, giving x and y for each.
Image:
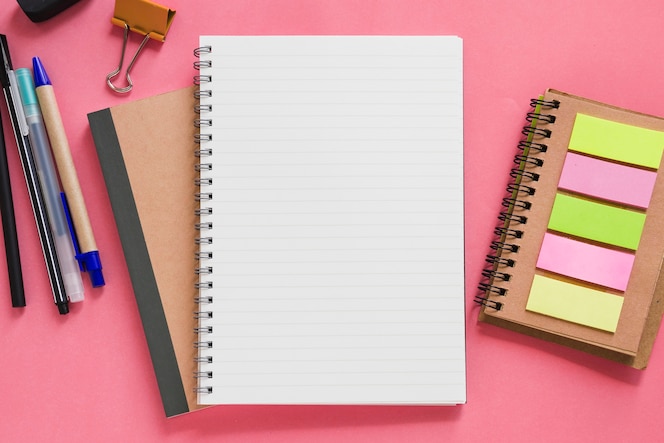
(574, 303)
(596, 221)
(617, 141)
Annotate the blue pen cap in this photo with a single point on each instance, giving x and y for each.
(27, 90)
(41, 77)
(92, 264)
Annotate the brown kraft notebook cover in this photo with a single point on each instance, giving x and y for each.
(146, 152)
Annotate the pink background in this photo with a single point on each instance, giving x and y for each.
(88, 376)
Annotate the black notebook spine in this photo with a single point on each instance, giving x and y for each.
(513, 218)
(203, 139)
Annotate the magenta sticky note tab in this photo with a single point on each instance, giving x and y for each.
(606, 180)
(584, 261)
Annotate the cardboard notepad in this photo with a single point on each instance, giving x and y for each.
(145, 151)
(579, 248)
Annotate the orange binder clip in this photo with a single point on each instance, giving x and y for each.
(144, 17)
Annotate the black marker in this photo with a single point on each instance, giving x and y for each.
(9, 229)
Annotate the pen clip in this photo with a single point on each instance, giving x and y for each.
(6, 62)
(10, 85)
(16, 98)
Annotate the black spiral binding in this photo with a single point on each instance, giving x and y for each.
(519, 190)
(204, 149)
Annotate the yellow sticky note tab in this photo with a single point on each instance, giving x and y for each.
(574, 303)
(596, 221)
(617, 141)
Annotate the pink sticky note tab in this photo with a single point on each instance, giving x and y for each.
(584, 261)
(607, 180)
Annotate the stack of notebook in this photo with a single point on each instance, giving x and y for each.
(303, 242)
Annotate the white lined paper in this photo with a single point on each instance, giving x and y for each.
(337, 199)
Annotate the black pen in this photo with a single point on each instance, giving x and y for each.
(20, 127)
(9, 228)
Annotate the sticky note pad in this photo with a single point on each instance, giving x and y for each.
(585, 261)
(597, 221)
(607, 180)
(575, 303)
(617, 141)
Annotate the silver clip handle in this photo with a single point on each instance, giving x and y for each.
(116, 72)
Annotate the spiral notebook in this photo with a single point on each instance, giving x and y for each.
(331, 220)
(578, 248)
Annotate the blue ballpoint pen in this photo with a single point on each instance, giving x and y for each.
(50, 187)
(88, 256)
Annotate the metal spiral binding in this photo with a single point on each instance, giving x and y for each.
(519, 190)
(203, 226)
(521, 174)
(507, 232)
(528, 160)
(202, 50)
(498, 245)
(526, 145)
(508, 202)
(489, 273)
